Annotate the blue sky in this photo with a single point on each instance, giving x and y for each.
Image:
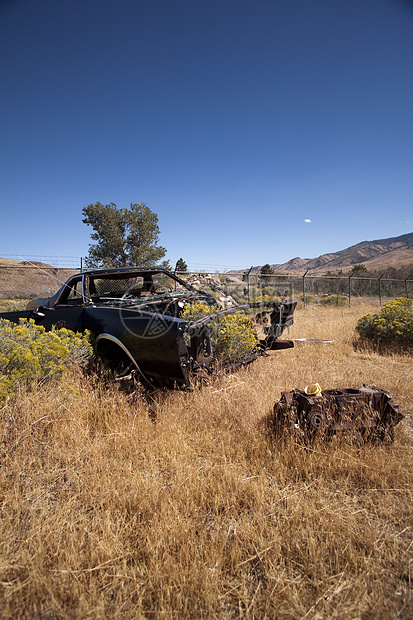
(257, 130)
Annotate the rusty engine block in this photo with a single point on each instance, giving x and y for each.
(368, 411)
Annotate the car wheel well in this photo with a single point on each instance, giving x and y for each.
(113, 357)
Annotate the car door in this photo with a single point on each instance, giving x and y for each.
(67, 310)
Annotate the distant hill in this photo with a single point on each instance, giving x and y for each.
(374, 255)
(30, 279)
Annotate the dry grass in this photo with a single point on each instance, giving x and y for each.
(9, 305)
(184, 508)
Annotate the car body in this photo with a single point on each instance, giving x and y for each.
(134, 315)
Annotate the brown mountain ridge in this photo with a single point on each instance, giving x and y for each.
(381, 254)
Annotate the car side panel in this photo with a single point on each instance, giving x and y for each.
(16, 315)
(155, 341)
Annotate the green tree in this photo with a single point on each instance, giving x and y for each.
(181, 266)
(267, 269)
(359, 269)
(124, 237)
(266, 272)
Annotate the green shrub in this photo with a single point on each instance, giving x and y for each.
(334, 300)
(237, 293)
(29, 354)
(233, 336)
(393, 325)
(269, 291)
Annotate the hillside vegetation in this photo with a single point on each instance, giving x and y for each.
(381, 254)
(182, 506)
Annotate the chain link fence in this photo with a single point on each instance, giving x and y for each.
(30, 279)
(36, 260)
(341, 289)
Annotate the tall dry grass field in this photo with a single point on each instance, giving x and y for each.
(184, 508)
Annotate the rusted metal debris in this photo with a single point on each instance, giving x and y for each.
(368, 412)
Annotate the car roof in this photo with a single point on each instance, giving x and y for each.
(119, 270)
(102, 273)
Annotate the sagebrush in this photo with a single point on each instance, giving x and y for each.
(232, 336)
(29, 354)
(393, 325)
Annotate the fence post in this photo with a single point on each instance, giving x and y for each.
(304, 285)
(349, 289)
(248, 282)
(81, 263)
(405, 284)
(380, 288)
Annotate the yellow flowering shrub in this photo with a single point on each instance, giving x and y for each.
(233, 336)
(265, 298)
(78, 344)
(29, 354)
(392, 325)
(195, 311)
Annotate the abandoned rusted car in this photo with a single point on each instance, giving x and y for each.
(135, 317)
